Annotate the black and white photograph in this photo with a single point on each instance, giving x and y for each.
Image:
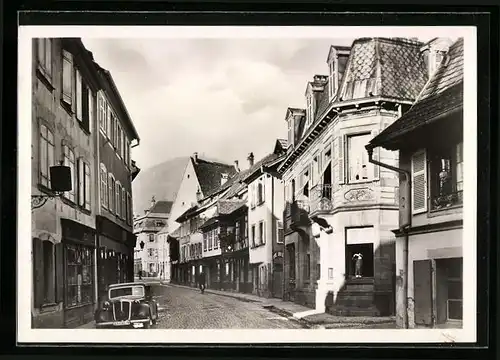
(247, 184)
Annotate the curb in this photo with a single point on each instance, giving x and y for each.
(289, 315)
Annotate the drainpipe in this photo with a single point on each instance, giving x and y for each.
(403, 228)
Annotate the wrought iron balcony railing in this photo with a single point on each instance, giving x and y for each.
(447, 200)
(321, 198)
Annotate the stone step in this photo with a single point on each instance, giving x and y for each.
(354, 311)
(360, 287)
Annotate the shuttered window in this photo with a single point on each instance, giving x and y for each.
(67, 75)
(69, 160)
(78, 93)
(419, 182)
(102, 114)
(83, 184)
(340, 159)
(104, 186)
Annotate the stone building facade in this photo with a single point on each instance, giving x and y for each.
(339, 206)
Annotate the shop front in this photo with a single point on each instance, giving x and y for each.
(79, 278)
(115, 260)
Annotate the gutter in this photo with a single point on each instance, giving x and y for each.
(403, 228)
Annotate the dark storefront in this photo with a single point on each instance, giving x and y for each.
(79, 286)
(173, 253)
(115, 261)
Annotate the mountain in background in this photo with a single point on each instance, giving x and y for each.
(161, 181)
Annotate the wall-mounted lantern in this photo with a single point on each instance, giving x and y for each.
(60, 180)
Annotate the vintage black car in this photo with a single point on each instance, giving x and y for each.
(129, 305)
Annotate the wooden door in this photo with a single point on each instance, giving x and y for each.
(422, 292)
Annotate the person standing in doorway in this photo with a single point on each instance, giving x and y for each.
(201, 281)
(358, 264)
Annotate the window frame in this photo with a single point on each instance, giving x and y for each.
(433, 188)
(89, 257)
(47, 141)
(103, 185)
(45, 46)
(364, 156)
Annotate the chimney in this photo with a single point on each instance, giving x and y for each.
(153, 202)
(223, 178)
(198, 195)
(195, 157)
(250, 159)
(434, 52)
(236, 166)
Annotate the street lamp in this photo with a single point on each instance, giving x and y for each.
(60, 181)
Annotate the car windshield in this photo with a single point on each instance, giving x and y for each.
(126, 291)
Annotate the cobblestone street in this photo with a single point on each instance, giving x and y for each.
(182, 308)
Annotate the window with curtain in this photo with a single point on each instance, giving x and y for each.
(69, 160)
(46, 155)
(79, 275)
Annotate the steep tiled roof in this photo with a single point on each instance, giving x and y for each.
(226, 207)
(266, 159)
(385, 67)
(209, 174)
(211, 221)
(161, 207)
(443, 93)
(187, 213)
(323, 101)
(283, 143)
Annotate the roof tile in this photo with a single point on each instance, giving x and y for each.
(443, 93)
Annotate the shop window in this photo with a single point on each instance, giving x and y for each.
(79, 274)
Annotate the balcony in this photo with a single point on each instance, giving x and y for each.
(297, 214)
(321, 199)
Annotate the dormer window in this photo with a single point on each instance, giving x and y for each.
(435, 59)
(310, 109)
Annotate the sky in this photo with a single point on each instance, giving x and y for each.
(222, 98)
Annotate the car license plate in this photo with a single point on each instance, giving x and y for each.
(121, 323)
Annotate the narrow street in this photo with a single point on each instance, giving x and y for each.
(181, 308)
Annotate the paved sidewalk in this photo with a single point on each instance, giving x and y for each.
(307, 316)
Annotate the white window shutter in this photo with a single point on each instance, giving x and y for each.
(376, 156)
(78, 95)
(340, 159)
(81, 177)
(419, 182)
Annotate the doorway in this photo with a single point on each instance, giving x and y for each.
(366, 252)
